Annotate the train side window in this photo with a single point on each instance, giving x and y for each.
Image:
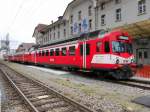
(87, 49)
(39, 53)
(57, 52)
(107, 48)
(72, 50)
(47, 53)
(43, 53)
(64, 51)
(98, 46)
(52, 52)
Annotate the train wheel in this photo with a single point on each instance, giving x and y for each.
(118, 74)
(122, 73)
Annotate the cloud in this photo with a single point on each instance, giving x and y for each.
(19, 17)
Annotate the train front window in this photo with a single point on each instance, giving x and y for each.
(121, 47)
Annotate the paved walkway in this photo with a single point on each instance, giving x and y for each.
(141, 78)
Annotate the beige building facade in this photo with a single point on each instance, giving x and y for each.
(83, 16)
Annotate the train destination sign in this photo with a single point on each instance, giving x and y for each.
(124, 37)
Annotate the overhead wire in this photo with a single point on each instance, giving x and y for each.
(17, 13)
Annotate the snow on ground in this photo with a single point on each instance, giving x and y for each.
(53, 71)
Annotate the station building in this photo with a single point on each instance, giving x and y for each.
(83, 16)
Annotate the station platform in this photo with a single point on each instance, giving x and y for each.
(141, 79)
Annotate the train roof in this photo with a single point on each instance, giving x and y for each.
(87, 36)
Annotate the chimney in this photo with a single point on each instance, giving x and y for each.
(60, 17)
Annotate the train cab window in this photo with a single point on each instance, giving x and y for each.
(107, 47)
(43, 53)
(52, 52)
(87, 49)
(57, 52)
(64, 51)
(72, 50)
(47, 53)
(98, 46)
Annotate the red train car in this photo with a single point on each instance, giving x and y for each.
(111, 52)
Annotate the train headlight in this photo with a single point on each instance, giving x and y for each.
(117, 61)
(132, 60)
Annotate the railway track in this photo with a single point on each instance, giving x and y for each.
(40, 98)
(136, 83)
(10, 100)
(145, 85)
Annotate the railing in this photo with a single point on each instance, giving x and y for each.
(143, 72)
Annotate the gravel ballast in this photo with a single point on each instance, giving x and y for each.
(10, 100)
(94, 93)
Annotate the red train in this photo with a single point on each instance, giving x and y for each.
(111, 52)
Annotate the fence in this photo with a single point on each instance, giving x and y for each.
(143, 72)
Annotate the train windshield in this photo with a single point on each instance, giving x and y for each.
(121, 47)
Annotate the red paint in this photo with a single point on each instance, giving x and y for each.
(77, 60)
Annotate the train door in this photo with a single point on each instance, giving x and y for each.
(143, 56)
(85, 55)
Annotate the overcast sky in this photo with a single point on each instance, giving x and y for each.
(20, 17)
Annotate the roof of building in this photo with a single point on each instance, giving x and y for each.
(39, 28)
(24, 47)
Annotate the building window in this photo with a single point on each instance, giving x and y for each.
(79, 15)
(103, 17)
(54, 35)
(50, 36)
(146, 55)
(80, 28)
(141, 6)
(90, 24)
(64, 32)
(58, 34)
(118, 14)
(103, 5)
(117, 1)
(71, 30)
(64, 23)
(71, 19)
(58, 26)
(90, 10)
(140, 55)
